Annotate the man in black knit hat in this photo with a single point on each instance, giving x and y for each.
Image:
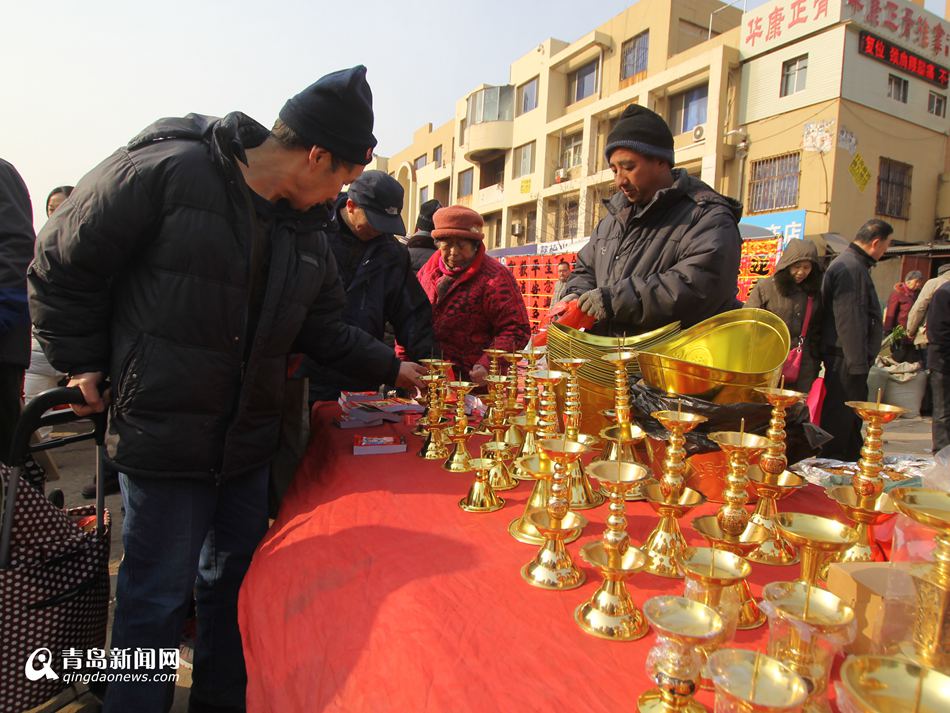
(668, 250)
(186, 266)
(421, 245)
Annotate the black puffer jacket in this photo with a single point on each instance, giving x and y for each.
(677, 260)
(16, 247)
(144, 274)
(852, 325)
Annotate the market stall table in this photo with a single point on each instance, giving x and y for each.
(373, 591)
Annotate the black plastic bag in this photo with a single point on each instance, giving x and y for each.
(803, 439)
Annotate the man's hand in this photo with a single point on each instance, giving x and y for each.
(478, 374)
(592, 303)
(88, 384)
(568, 298)
(409, 373)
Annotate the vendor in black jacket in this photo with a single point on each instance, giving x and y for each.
(851, 334)
(377, 274)
(186, 266)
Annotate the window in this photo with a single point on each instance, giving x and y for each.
(465, 182)
(793, 75)
(688, 109)
(937, 104)
(633, 55)
(567, 226)
(893, 188)
(897, 88)
(420, 162)
(524, 160)
(571, 147)
(527, 96)
(437, 155)
(583, 82)
(423, 194)
(774, 182)
(490, 104)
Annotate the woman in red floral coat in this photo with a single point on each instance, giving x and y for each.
(475, 300)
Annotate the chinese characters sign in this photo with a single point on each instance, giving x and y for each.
(859, 172)
(780, 21)
(899, 58)
(902, 22)
(787, 224)
(759, 257)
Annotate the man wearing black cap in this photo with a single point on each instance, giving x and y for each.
(186, 266)
(669, 248)
(421, 245)
(380, 284)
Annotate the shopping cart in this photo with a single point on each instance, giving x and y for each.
(54, 564)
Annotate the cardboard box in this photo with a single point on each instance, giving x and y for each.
(884, 598)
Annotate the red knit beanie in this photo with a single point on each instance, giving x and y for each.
(457, 221)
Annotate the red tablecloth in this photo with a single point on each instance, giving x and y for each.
(373, 591)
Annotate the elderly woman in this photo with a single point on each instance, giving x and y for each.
(791, 293)
(476, 304)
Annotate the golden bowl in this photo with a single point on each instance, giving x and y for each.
(819, 533)
(924, 505)
(826, 612)
(616, 472)
(759, 681)
(864, 510)
(883, 413)
(683, 619)
(881, 684)
(596, 555)
(722, 359)
(712, 566)
(750, 538)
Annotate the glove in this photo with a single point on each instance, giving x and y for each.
(595, 303)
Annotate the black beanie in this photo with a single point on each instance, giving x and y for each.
(643, 131)
(335, 113)
(426, 210)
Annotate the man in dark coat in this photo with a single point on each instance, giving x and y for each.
(670, 248)
(850, 335)
(16, 249)
(381, 286)
(187, 266)
(938, 361)
(421, 245)
(797, 280)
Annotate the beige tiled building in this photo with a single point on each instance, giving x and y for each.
(789, 107)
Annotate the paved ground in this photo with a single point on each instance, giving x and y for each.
(76, 463)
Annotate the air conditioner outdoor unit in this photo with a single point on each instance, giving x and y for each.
(699, 133)
(560, 175)
(517, 228)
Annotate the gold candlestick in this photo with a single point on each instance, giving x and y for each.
(434, 439)
(773, 460)
(552, 567)
(754, 683)
(531, 355)
(815, 537)
(885, 684)
(494, 355)
(499, 475)
(664, 546)
(868, 482)
(547, 413)
(674, 464)
(611, 612)
(674, 662)
(460, 432)
(481, 496)
(494, 422)
(582, 494)
(511, 407)
(750, 616)
(770, 488)
(529, 428)
(740, 448)
(621, 438)
(541, 468)
(572, 394)
(931, 644)
(807, 628)
(866, 515)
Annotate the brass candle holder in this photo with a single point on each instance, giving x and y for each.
(611, 613)
(552, 567)
(665, 545)
(512, 408)
(931, 639)
(866, 513)
(621, 438)
(674, 464)
(750, 616)
(541, 468)
(773, 461)
(808, 626)
(494, 357)
(546, 381)
(815, 537)
(499, 476)
(481, 496)
(674, 662)
(740, 448)
(770, 488)
(494, 422)
(751, 682)
(711, 579)
(619, 449)
(529, 427)
(884, 684)
(531, 355)
(868, 482)
(460, 432)
(432, 424)
(583, 496)
(572, 394)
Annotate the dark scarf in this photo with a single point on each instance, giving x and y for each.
(457, 275)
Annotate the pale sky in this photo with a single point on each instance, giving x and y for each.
(80, 79)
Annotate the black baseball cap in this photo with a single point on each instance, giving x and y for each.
(380, 195)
